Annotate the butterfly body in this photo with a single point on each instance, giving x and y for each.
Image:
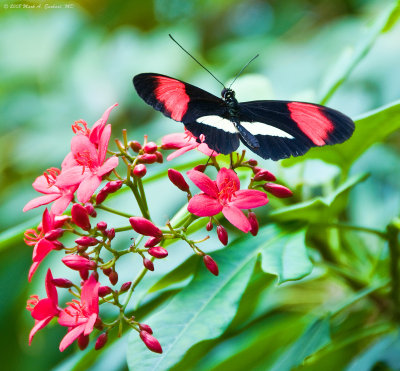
(270, 128)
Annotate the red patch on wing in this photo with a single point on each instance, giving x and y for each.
(172, 94)
(311, 121)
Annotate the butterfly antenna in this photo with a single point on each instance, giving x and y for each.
(176, 42)
(251, 60)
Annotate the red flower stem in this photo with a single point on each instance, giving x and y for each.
(110, 210)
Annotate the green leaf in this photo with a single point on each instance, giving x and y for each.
(320, 208)
(371, 128)
(204, 309)
(287, 258)
(15, 234)
(314, 338)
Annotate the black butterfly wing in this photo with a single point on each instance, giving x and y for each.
(201, 112)
(285, 128)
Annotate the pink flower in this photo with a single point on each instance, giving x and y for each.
(42, 246)
(224, 195)
(80, 316)
(43, 310)
(185, 142)
(46, 184)
(91, 165)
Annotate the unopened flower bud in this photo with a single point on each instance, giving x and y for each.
(178, 180)
(113, 186)
(253, 223)
(54, 234)
(160, 158)
(200, 168)
(57, 245)
(222, 235)
(104, 291)
(83, 341)
(125, 286)
(113, 277)
(135, 145)
(148, 264)
(151, 342)
(95, 275)
(86, 241)
(147, 158)
(101, 226)
(107, 271)
(210, 264)
(77, 262)
(84, 273)
(60, 220)
(101, 341)
(252, 162)
(101, 196)
(158, 252)
(146, 328)
(62, 282)
(110, 233)
(90, 209)
(264, 175)
(150, 147)
(139, 171)
(80, 216)
(278, 190)
(209, 226)
(144, 226)
(152, 241)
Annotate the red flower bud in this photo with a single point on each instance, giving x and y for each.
(200, 168)
(160, 158)
(77, 262)
(101, 341)
(54, 234)
(60, 220)
(104, 291)
(113, 277)
(84, 273)
(178, 180)
(209, 226)
(90, 209)
(152, 241)
(278, 190)
(146, 328)
(150, 147)
(139, 171)
(101, 226)
(151, 342)
(252, 162)
(107, 271)
(253, 223)
(95, 275)
(83, 341)
(264, 175)
(62, 282)
(113, 186)
(158, 252)
(57, 245)
(125, 286)
(86, 241)
(110, 233)
(210, 264)
(135, 145)
(101, 196)
(147, 158)
(143, 226)
(80, 216)
(148, 264)
(222, 235)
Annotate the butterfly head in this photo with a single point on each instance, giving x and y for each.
(228, 94)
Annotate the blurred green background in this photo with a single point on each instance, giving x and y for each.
(63, 61)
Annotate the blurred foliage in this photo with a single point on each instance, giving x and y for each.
(316, 294)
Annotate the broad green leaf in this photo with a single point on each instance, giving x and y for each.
(319, 208)
(8, 237)
(204, 309)
(314, 338)
(287, 258)
(371, 128)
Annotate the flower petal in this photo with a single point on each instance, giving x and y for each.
(41, 249)
(90, 296)
(204, 205)
(236, 217)
(203, 182)
(203, 147)
(47, 221)
(227, 176)
(90, 323)
(181, 151)
(108, 166)
(71, 337)
(69, 161)
(249, 199)
(176, 141)
(41, 185)
(32, 270)
(103, 143)
(72, 176)
(51, 289)
(60, 205)
(38, 326)
(87, 188)
(44, 309)
(97, 128)
(40, 201)
(82, 146)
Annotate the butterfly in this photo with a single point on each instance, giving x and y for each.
(272, 129)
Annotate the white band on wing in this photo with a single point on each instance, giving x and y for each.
(259, 128)
(218, 122)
